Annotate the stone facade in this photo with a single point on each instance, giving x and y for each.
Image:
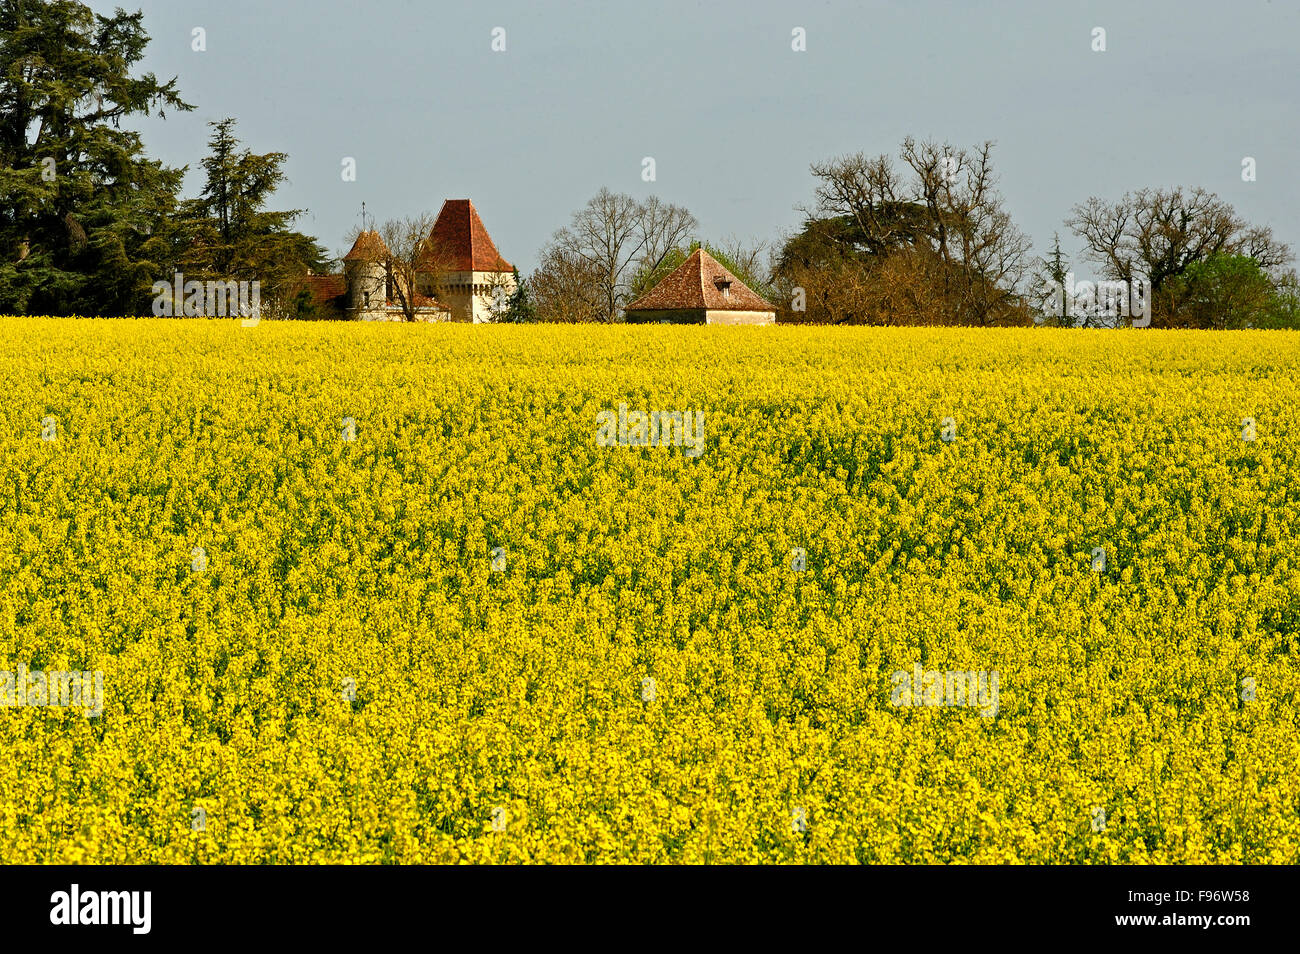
(703, 316)
(470, 296)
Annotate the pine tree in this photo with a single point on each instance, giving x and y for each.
(82, 209)
(227, 233)
(1052, 274)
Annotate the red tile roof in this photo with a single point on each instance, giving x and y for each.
(698, 284)
(324, 287)
(368, 247)
(461, 243)
(328, 293)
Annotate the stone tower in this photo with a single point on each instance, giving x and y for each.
(465, 269)
(365, 273)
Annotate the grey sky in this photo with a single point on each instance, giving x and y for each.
(732, 116)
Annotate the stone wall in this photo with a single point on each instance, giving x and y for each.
(718, 316)
(470, 295)
(712, 316)
(680, 316)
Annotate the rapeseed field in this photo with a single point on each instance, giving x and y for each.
(372, 593)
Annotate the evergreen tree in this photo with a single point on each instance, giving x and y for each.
(520, 307)
(227, 233)
(1053, 306)
(82, 209)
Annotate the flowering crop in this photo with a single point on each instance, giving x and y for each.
(367, 593)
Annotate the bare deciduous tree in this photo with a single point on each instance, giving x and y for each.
(752, 260)
(1157, 234)
(869, 193)
(566, 288)
(984, 255)
(609, 240)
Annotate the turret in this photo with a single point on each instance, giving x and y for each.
(365, 271)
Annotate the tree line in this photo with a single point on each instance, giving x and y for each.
(926, 240)
(88, 223)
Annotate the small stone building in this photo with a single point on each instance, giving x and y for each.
(701, 291)
(462, 263)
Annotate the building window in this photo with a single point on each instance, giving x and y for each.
(367, 294)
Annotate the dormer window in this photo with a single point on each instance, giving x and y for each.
(724, 286)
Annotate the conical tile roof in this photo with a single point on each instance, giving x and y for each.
(368, 247)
